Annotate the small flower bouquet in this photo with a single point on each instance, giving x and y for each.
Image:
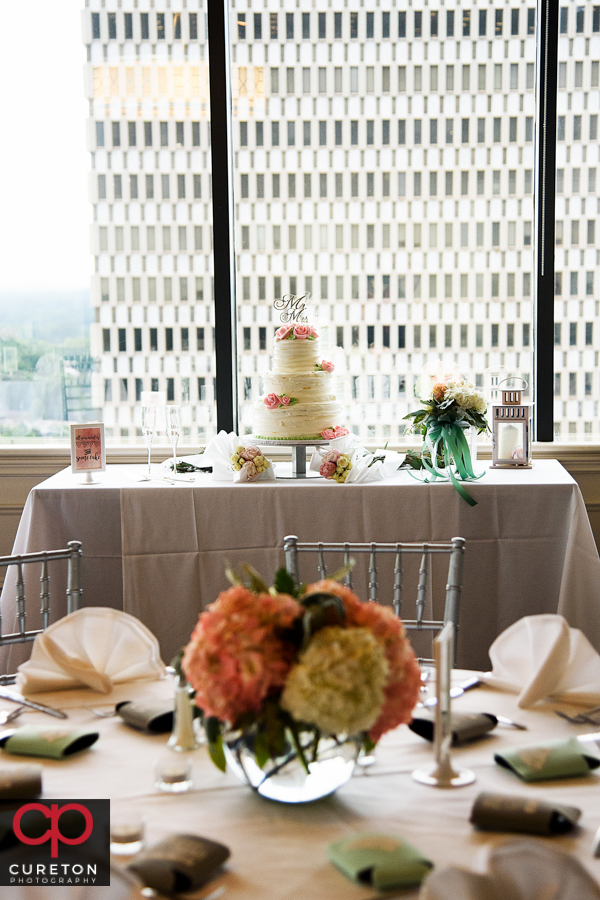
(250, 461)
(449, 406)
(335, 466)
(290, 669)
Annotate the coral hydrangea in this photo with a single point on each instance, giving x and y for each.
(337, 684)
(236, 657)
(401, 690)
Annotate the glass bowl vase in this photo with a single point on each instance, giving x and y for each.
(285, 778)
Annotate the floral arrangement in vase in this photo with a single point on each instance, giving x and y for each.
(449, 406)
(292, 670)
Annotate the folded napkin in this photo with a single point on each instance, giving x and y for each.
(375, 467)
(519, 870)
(237, 459)
(541, 658)
(94, 647)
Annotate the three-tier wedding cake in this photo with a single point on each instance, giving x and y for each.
(299, 401)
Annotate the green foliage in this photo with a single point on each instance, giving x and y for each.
(214, 738)
(284, 583)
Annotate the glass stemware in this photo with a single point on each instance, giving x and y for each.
(174, 430)
(148, 428)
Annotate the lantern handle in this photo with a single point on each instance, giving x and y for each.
(512, 378)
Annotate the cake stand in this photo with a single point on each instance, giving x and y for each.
(298, 449)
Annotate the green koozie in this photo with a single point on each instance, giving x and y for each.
(52, 743)
(550, 759)
(380, 860)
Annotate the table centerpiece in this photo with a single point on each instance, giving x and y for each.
(450, 406)
(293, 681)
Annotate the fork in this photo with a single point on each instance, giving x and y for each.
(584, 718)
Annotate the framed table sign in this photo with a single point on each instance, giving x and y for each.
(88, 450)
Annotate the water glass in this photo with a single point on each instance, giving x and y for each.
(127, 829)
(173, 773)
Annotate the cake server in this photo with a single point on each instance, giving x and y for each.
(7, 694)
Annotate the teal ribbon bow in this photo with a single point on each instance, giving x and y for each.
(457, 456)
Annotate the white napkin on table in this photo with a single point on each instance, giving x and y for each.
(94, 647)
(542, 658)
(387, 462)
(517, 870)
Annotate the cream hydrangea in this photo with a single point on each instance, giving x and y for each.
(337, 684)
(465, 394)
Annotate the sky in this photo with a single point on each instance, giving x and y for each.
(44, 210)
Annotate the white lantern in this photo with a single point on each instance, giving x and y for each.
(511, 431)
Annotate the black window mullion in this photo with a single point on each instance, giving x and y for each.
(545, 194)
(219, 64)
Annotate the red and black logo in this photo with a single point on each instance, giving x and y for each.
(55, 842)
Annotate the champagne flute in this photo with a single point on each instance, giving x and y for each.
(148, 428)
(174, 430)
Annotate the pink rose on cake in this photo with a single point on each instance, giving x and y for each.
(314, 331)
(327, 366)
(272, 401)
(328, 434)
(285, 401)
(340, 431)
(284, 332)
(302, 332)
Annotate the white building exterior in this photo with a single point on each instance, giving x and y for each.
(383, 163)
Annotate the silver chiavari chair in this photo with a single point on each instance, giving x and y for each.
(341, 555)
(23, 634)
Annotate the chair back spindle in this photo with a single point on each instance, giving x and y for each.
(454, 549)
(23, 633)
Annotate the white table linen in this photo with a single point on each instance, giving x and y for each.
(279, 851)
(159, 551)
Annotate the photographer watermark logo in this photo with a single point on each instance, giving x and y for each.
(55, 842)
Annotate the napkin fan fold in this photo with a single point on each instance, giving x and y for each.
(94, 647)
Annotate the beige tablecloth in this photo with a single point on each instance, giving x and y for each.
(279, 852)
(159, 551)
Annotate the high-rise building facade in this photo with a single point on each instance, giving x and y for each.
(383, 163)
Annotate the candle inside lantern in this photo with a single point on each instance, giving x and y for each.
(508, 440)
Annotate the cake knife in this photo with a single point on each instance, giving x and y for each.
(7, 694)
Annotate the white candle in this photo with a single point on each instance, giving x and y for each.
(508, 441)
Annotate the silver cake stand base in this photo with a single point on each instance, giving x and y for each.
(298, 449)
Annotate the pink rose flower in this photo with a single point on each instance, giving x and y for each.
(250, 469)
(249, 453)
(313, 331)
(327, 469)
(328, 434)
(282, 333)
(332, 456)
(327, 366)
(272, 401)
(285, 401)
(301, 332)
(340, 431)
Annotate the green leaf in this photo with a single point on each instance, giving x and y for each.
(232, 576)
(256, 581)
(261, 748)
(284, 583)
(214, 738)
